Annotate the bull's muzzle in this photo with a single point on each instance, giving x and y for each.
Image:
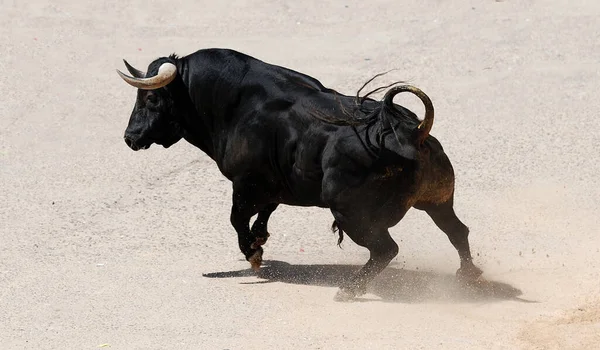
(133, 144)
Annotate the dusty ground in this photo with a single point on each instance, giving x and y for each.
(102, 246)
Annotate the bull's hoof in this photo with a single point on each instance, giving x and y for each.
(256, 260)
(348, 293)
(344, 295)
(259, 241)
(469, 274)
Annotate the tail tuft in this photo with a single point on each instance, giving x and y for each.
(335, 227)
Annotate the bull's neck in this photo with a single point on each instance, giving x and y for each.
(212, 86)
(198, 129)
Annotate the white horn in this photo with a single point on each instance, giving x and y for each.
(166, 73)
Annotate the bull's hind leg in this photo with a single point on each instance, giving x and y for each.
(445, 218)
(382, 249)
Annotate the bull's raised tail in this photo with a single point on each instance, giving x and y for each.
(422, 131)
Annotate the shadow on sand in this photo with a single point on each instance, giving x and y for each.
(392, 285)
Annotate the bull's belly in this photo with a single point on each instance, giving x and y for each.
(303, 189)
(302, 202)
(302, 197)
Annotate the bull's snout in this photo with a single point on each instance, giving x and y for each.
(131, 143)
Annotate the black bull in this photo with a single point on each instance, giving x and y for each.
(282, 137)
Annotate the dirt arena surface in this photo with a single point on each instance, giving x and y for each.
(103, 247)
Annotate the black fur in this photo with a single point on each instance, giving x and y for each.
(282, 137)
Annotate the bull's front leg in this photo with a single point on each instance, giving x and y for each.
(259, 228)
(249, 198)
(241, 212)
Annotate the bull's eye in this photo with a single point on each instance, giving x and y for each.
(151, 99)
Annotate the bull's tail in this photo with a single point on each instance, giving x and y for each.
(422, 131)
(335, 227)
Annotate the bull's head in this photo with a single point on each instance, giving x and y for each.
(154, 116)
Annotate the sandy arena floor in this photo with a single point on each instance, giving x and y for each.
(101, 246)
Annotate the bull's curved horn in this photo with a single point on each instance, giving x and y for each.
(135, 72)
(166, 73)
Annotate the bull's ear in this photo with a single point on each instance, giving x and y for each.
(136, 73)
